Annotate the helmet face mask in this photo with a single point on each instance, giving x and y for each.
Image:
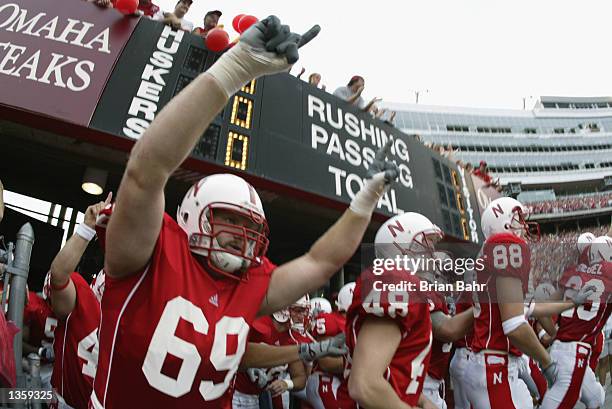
(225, 223)
(527, 230)
(508, 215)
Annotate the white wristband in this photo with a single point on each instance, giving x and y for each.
(513, 323)
(289, 383)
(541, 334)
(85, 232)
(366, 199)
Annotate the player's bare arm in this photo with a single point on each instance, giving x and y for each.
(330, 252)
(449, 329)
(258, 355)
(331, 365)
(549, 309)
(515, 325)
(376, 344)
(63, 291)
(137, 218)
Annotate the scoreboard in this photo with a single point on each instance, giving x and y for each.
(281, 129)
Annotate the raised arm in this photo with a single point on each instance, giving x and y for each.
(268, 356)
(63, 292)
(330, 252)
(138, 213)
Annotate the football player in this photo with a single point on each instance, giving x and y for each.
(181, 295)
(77, 308)
(501, 332)
(326, 386)
(445, 329)
(390, 331)
(578, 329)
(268, 330)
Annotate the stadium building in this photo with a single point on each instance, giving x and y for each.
(556, 156)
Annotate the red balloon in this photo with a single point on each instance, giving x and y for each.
(236, 20)
(217, 40)
(126, 6)
(246, 22)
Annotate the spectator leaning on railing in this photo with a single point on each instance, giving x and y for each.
(211, 19)
(315, 80)
(176, 19)
(351, 93)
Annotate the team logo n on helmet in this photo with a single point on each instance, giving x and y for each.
(601, 250)
(196, 216)
(345, 297)
(97, 285)
(584, 240)
(508, 215)
(407, 234)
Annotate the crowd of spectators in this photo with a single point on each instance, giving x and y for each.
(351, 92)
(174, 18)
(571, 204)
(553, 253)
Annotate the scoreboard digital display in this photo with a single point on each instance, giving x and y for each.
(284, 130)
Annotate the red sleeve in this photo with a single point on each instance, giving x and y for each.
(507, 255)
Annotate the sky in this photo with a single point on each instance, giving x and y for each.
(474, 53)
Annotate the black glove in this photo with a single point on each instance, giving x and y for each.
(335, 346)
(380, 164)
(258, 376)
(278, 38)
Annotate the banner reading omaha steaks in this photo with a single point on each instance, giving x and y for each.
(55, 56)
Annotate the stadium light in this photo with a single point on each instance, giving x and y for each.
(94, 181)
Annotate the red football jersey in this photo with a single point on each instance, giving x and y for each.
(505, 255)
(440, 351)
(172, 336)
(328, 325)
(263, 331)
(410, 312)
(585, 322)
(41, 320)
(76, 347)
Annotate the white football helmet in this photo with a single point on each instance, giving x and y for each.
(407, 234)
(284, 315)
(97, 285)
(196, 216)
(508, 215)
(601, 250)
(345, 297)
(299, 313)
(319, 305)
(281, 316)
(584, 240)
